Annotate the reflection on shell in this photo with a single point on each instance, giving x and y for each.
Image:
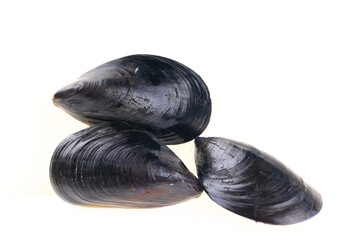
(114, 165)
(253, 184)
(155, 93)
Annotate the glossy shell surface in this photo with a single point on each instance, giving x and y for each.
(155, 93)
(253, 184)
(114, 165)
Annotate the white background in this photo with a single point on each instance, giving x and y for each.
(283, 77)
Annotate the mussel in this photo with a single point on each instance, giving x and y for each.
(157, 94)
(253, 184)
(112, 164)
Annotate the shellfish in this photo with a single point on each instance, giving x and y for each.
(112, 164)
(253, 184)
(157, 94)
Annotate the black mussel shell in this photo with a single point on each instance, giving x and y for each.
(253, 184)
(155, 93)
(114, 165)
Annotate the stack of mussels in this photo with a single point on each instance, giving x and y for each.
(136, 105)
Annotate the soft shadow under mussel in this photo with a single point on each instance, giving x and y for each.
(157, 94)
(115, 165)
(253, 184)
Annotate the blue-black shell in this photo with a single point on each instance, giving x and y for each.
(113, 164)
(253, 184)
(157, 94)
